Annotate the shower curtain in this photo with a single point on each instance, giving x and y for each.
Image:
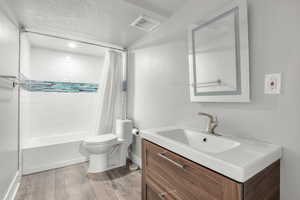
(110, 93)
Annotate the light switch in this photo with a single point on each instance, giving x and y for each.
(273, 83)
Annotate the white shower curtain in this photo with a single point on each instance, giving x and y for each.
(110, 93)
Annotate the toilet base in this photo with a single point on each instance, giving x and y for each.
(98, 163)
(106, 161)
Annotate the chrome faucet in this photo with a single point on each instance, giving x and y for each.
(212, 123)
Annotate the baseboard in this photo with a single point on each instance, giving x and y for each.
(13, 187)
(136, 159)
(54, 165)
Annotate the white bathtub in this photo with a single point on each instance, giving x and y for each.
(43, 153)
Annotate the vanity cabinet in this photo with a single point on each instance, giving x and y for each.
(169, 176)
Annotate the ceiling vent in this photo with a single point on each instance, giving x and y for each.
(145, 23)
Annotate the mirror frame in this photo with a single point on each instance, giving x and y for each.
(240, 7)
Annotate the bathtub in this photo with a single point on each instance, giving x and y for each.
(44, 153)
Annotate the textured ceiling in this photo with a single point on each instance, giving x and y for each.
(101, 20)
(162, 7)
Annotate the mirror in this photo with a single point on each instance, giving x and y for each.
(218, 56)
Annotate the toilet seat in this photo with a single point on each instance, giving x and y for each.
(107, 139)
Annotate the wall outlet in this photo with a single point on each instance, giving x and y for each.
(273, 83)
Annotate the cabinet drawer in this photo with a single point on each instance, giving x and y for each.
(188, 180)
(157, 189)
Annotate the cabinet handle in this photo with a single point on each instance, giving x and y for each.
(162, 195)
(162, 155)
(174, 192)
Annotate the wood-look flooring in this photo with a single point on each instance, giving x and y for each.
(73, 183)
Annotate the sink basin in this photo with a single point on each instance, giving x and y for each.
(199, 141)
(234, 157)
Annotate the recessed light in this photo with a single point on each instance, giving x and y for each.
(72, 45)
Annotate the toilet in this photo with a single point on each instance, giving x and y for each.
(108, 151)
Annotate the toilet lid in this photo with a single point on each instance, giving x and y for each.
(98, 139)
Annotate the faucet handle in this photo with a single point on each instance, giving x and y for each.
(214, 125)
(215, 119)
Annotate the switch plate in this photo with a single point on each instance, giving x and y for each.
(273, 83)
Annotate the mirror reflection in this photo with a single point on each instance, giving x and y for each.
(216, 66)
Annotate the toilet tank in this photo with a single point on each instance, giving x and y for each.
(124, 130)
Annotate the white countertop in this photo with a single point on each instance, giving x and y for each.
(239, 163)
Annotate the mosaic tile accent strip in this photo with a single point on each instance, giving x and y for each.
(51, 86)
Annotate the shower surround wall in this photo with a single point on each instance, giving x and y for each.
(47, 114)
(53, 124)
(9, 65)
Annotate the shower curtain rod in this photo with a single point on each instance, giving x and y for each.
(74, 40)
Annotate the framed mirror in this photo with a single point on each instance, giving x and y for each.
(219, 56)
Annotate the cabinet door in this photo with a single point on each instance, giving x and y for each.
(186, 180)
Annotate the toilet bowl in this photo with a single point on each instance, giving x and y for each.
(98, 148)
(109, 151)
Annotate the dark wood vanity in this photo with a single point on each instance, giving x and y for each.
(169, 176)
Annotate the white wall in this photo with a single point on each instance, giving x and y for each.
(158, 81)
(55, 65)
(9, 65)
(46, 113)
(25, 55)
